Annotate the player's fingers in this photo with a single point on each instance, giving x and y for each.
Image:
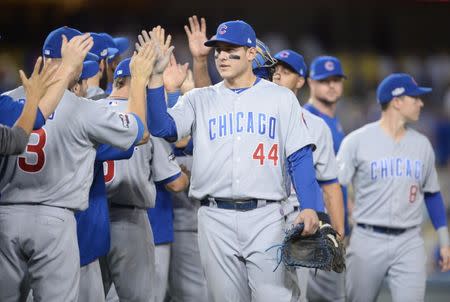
(191, 24)
(196, 24)
(64, 41)
(37, 67)
(168, 41)
(188, 32)
(87, 45)
(23, 78)
(145, 36)
(137, 46)
(185, 67)
(170, 50)
(203, 25)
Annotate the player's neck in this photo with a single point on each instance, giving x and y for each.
(121, 93)
(394, 126)
(94, 81)
(242, 81)
(323, 106)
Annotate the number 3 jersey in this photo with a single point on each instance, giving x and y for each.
(132, 182)
(241, 140)
(57, 167)
(389, 178)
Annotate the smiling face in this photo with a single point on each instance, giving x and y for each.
(233, 61)
(328, 90)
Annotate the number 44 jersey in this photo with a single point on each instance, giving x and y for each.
(57, 167)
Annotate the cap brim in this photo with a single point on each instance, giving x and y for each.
(92, 57)
(327, 75)
(112, 52)
(213, 42)
(289, 64)
(122, 44)
(420, 91)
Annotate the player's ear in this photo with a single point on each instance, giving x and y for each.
(251, 53)
(300, 82)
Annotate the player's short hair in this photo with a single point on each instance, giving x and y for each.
(384, 106)
(120, 82)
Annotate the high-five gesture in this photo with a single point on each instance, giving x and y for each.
(74, 52)
(174, 75)
(143, 61)
(196, 33)
(162, 47)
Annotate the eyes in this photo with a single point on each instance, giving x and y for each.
(228, 50)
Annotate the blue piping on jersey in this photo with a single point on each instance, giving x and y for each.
(327, 182)
(436, 209)
(303, 177)
(169, 179)
(140, 126)
(160, 123)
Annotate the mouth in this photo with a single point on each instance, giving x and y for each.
(224, 66)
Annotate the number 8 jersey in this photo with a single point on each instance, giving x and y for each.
(241, 140)
(389, 178)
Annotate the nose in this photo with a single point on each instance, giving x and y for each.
(421, 104)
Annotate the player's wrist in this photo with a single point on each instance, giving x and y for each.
(443, 237)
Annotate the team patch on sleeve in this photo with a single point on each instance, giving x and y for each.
(171, 156)
(125, 120)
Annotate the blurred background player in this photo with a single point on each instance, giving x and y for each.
(392, 170)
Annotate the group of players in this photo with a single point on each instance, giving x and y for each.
(97, 208)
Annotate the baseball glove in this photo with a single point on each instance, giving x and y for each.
(321, 251)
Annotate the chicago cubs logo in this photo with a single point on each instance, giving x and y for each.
(104, 52)
(284, 54)
(397, 91)
(222, 30)
(329, 65)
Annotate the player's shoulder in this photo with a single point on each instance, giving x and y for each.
(17, 93)
(365, 132)
(418, 137)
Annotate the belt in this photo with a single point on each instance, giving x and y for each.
(124, 206)
(235, 204)
(36, 204)
(383, 230)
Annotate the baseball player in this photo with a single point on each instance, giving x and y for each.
(24, 118)
(90, 69)
(391, 167)
(326, 82)
(41, 188)
(242, 145)
(131, 191)
(290, 72)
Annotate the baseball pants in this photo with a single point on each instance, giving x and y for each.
(372, 257)
(233, 252)
(326, 286)
(162, 261)
(91, 284)
(186, 278)
(38, 244)
(130, 262)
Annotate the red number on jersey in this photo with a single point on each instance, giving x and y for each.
(412, 193)
(38, 150)
(259, 154)
(108, 170)
(273, 154)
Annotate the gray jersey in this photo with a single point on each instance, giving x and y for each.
(132, 181)
(57, 167)
(325, 164)
(241, 141)
(389, 178)
(94, 91)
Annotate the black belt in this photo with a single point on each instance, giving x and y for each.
(383, 230)
(235, 204)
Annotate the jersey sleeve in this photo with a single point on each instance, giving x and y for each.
(324, 158)
(431, 182)
(346, 160)
(164, 164)
(297, 133)
(10, 111)
(12, 140)
(104, 125)
(183, 114)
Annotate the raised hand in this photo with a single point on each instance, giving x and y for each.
(143, 61)
(74, 52)
(196, 34)
(174, 75)
(163, 48)
(36, 86)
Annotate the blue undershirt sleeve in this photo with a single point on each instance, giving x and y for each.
(301, 170)
(436, 209)
(107, 152)
(140, 132)
(160, 123)
(172, 98)
(11, 110)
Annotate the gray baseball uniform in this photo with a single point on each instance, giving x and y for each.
(389, 180)
(93, 91)
(325, 166)
(42, 187)
(131, 190)
(241, 142)
(186, 278)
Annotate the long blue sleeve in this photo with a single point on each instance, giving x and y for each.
(107, 152)
(160, 123)
(11, 110)
(172, 98)
(303, 177)
(436, 209)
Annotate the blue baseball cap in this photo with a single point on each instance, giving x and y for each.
(53, 43)
(399, 84)
(294, 60)
(123, 69)
(234, 32)
(100, 48)
(116, 46)
(90, 69)
(324, 67)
